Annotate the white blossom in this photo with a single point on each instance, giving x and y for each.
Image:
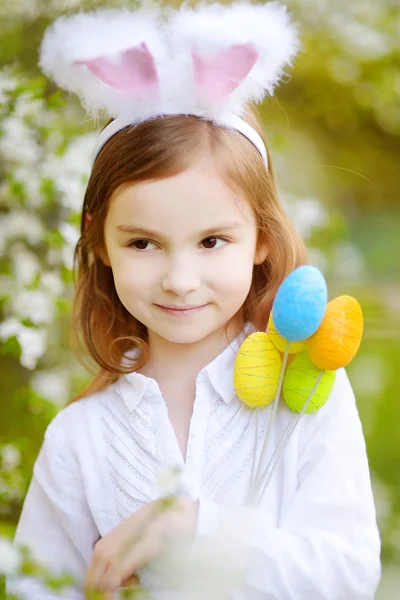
(26, 9)
(27, 106)
(35, 305)
(8, 83)
(10, 558)
(344, 70)
(361, 38)
(71, 236)
(55, 140)
(72, 192)
(32, 340)
(11, 457)
(52, 167)
(383, 501)
(18, 142)
(67, 256)
(348, 262)
(24, 263)
(307, 214)
(70, 233)
(52, 283)
(69, 3)
(53, 385)
(78, 155)
(390, 581)
(169, 481)
(71, 170)
(33, 344)
(20, 223)
(9, 328)
(369, 375)
(31, 180)
(317, 258)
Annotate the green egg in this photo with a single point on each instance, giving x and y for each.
(300, 380)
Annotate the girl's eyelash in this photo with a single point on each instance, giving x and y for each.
(132, 242)
(210, 237)
(216, 237)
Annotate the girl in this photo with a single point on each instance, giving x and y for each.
(184, 244)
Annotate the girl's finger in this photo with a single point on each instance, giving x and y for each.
(132, 580)
(148, 547)
(111, 580)
(95, 574)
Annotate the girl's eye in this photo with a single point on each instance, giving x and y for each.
(213, 242)
(141, 244)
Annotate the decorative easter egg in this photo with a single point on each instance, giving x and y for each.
(300, 303)
(300, 379)
(338, 338)
(280, 342)
(256, 370)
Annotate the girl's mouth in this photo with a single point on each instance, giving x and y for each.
(181, 311)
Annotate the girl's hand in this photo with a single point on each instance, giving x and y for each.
(138, 540)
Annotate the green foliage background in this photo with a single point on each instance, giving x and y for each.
(334, 131)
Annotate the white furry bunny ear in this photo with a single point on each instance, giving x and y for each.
(239, 50)
(106, 57)
(136, 65)
(132, 70)
(218, 77)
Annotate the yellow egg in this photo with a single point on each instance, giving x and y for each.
(257, 369)
(280, 342)
(299, 382)
(336, 342)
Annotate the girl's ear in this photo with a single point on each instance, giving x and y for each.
(261, 253)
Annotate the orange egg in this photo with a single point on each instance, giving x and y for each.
(336, 342)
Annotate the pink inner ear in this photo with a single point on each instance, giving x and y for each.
(131, 70)
(221, 75)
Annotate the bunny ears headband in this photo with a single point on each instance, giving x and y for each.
(141, 64)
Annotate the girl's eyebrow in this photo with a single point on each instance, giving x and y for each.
(154, 234)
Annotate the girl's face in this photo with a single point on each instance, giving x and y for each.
(182, 251)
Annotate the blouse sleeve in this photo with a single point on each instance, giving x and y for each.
(326, 545)
(55, 523)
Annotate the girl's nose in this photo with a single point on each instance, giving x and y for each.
(180, 277)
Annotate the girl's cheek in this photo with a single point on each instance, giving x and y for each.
(240, 255)
(135, 273)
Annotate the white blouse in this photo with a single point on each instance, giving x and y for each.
(312, 537)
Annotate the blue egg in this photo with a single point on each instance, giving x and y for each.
(300, 303)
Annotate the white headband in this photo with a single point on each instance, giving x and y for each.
(140, 64)
(233, 122)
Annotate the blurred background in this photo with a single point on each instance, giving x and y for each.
(334, 132)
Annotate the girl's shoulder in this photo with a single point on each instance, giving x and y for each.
(78, 423)
(340, 413)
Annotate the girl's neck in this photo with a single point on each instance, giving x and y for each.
(170, 361)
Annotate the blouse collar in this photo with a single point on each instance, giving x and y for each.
(219, 372)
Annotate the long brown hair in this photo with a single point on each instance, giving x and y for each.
(104, 330)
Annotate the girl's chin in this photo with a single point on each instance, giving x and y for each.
(184, 337)
(184, 333)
